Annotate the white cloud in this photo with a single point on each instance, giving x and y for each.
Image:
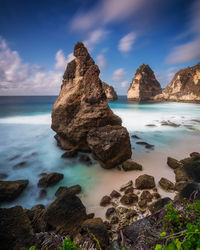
(124, 84)
(70, 57)
(101, 61)
(95, 37)
(125, 44)
(118, 75)
(165, 77)
(60, 60)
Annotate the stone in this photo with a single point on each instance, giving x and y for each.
(15, 231)
(115, 194)
(20, 165)
(114, 220)
(131, 213)
(50, 179)
(42, 194)
(194, 154)
(191, 191)
(85, 159)
(147, 145)
(76, 189)
(10, 190)
(159, 204)
(90, 216)
(180, 185)
(173, 163)
(181, 175)
(128, 184)
(146, 195)
(142, 203)
(110, 211)
(122, 210)
(82, 118)
(105, 201)
(129, 199)
(145, 182)
(166, 184)
(156, 195)
(169, 123)
(109, 91)
(131, 165)
(135, 137)
(97, 228)
(129, 190)
(144, 85)
(70, 153)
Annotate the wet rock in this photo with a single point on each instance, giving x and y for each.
(122, 210)
(128, 184)
(131, 165)
(3, 176)
(36, 207)
(109, 91)
(90, 216)
(20, 165)
(14, 157)
(194, 154)
(110, 211)
(180, 175)
(50, 179)
(169, 123)
(42, 194)
(131, 213)
(76, 189)
(114, 220)
(159, 204)
(150, 125)
(146, 195)
(129, 190)
(115, 194)
(129, 199)
(166, 184)
(145, 182)
(15, 230)
(191, 167)
(180, 185)
(156, 195)
(142, 203)
(135, 137)
(191, 191)
(97, 228)
(10, 190)
(173, 163)
(105, 201)
(85, 159)
(147, 145)
(70, 154)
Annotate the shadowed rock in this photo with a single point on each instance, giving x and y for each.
(50, 179)
(109, 91)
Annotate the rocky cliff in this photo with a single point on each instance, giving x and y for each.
(185, 86)
(82, 108)
(144, 85)
(109, 91)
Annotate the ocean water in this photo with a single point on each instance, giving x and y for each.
(26, 136)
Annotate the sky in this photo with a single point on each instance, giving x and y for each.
(37, 39)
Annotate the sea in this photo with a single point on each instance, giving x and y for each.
(28, 148)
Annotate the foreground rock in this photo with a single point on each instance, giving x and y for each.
(50, 179)
(173, 163)
(159, 204)
(145, 182)
(81, 112)
(185, 86)
(109, 91)
(10, 190)
(144, 85)
(131, 165)
(166, 184)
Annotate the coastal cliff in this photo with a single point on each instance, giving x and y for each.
(184, 87)
(81, 112)
(109, 91)
(144, 85)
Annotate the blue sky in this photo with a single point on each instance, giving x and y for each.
(37, 39)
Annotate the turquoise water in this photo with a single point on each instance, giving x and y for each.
(26, 137)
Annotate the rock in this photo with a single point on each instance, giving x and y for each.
(10, 190)
(183, 87)
(169, 123)
(159, 204)
(147, 145)
(76, 189)
(81, 116)
(156, 195)
(66, 213)
(107, 225)
(109, 91)
(90, 216)
(85, 159)
(50, 179)
(15, 230)
(135, 137)
(110, 211)
(150, 125)
(36, 207)
(128, 184)
(142, 203)
(115, 194)
(20, 165)
(180, 185)
(191, 168)
(191, 191)
(145, 182)
(129, 190)
(122, 210)
(166, 184)
(69, 154)
(105, 201)
(110, 145)
(3, 176)
(97, 228)
(180, 175)
(42, 194)
(194, 154)
(131, 213)
(146, 195)
(129, 199)
(144, 85)
(114, 220)
(173, 163)
(131, 165)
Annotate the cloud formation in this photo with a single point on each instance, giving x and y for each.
(125, 44)
(119, 75)
(95, 37)
(124, 84)
(101, 61)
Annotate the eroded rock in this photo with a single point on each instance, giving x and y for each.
(145, 182)
(166, 184)
(109, 91)
(50, 179)
(131, 165)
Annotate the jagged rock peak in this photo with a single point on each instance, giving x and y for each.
(144, 85)
(82, 107)
(185, 86)
(109, 91)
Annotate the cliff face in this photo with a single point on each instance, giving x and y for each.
(82, 107)
(109, 91)
(144, 85)
(185, 86)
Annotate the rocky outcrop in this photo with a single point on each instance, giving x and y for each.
(81, 112)
(109, 91)
(50, 179)
(145, 181)
(185, 86)
(144, 85)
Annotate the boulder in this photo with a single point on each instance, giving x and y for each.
(109, 91)
(81, 116)
(115, 194)
(10, 190)
(131, 213)
(180, 185)
(146, 195)
(144, 85)
(181, 175)
(195, 154)
(105, 201)
(70, 153)
(191, 191)
(85, 159)
(129, 190)
(96, 229)
(76, 189)
(128, 184)
(129, 199)
(173, 163)
(50, 179)
(110, 211)
(142, 204)
(131, 165)
(145, 182)
(166, 184)
(114, 220)
(147, 145)
(159, 204)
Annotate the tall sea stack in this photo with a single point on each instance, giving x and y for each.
(82, 118)
(144, 85)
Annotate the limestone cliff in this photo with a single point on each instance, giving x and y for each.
(185, 86)
(82, 107)
(144, 85)
(109, 91)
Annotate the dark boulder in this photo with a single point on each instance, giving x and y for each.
(191, 191)
(50, 179)
(129, 199)
(166, 184)
(76, 189)
(115, 194)
(173, 163)
(145, 182)
(85, 159)
(159, 204)
(110, 211)
(105, 201)
(131, 165)
(146, 195)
